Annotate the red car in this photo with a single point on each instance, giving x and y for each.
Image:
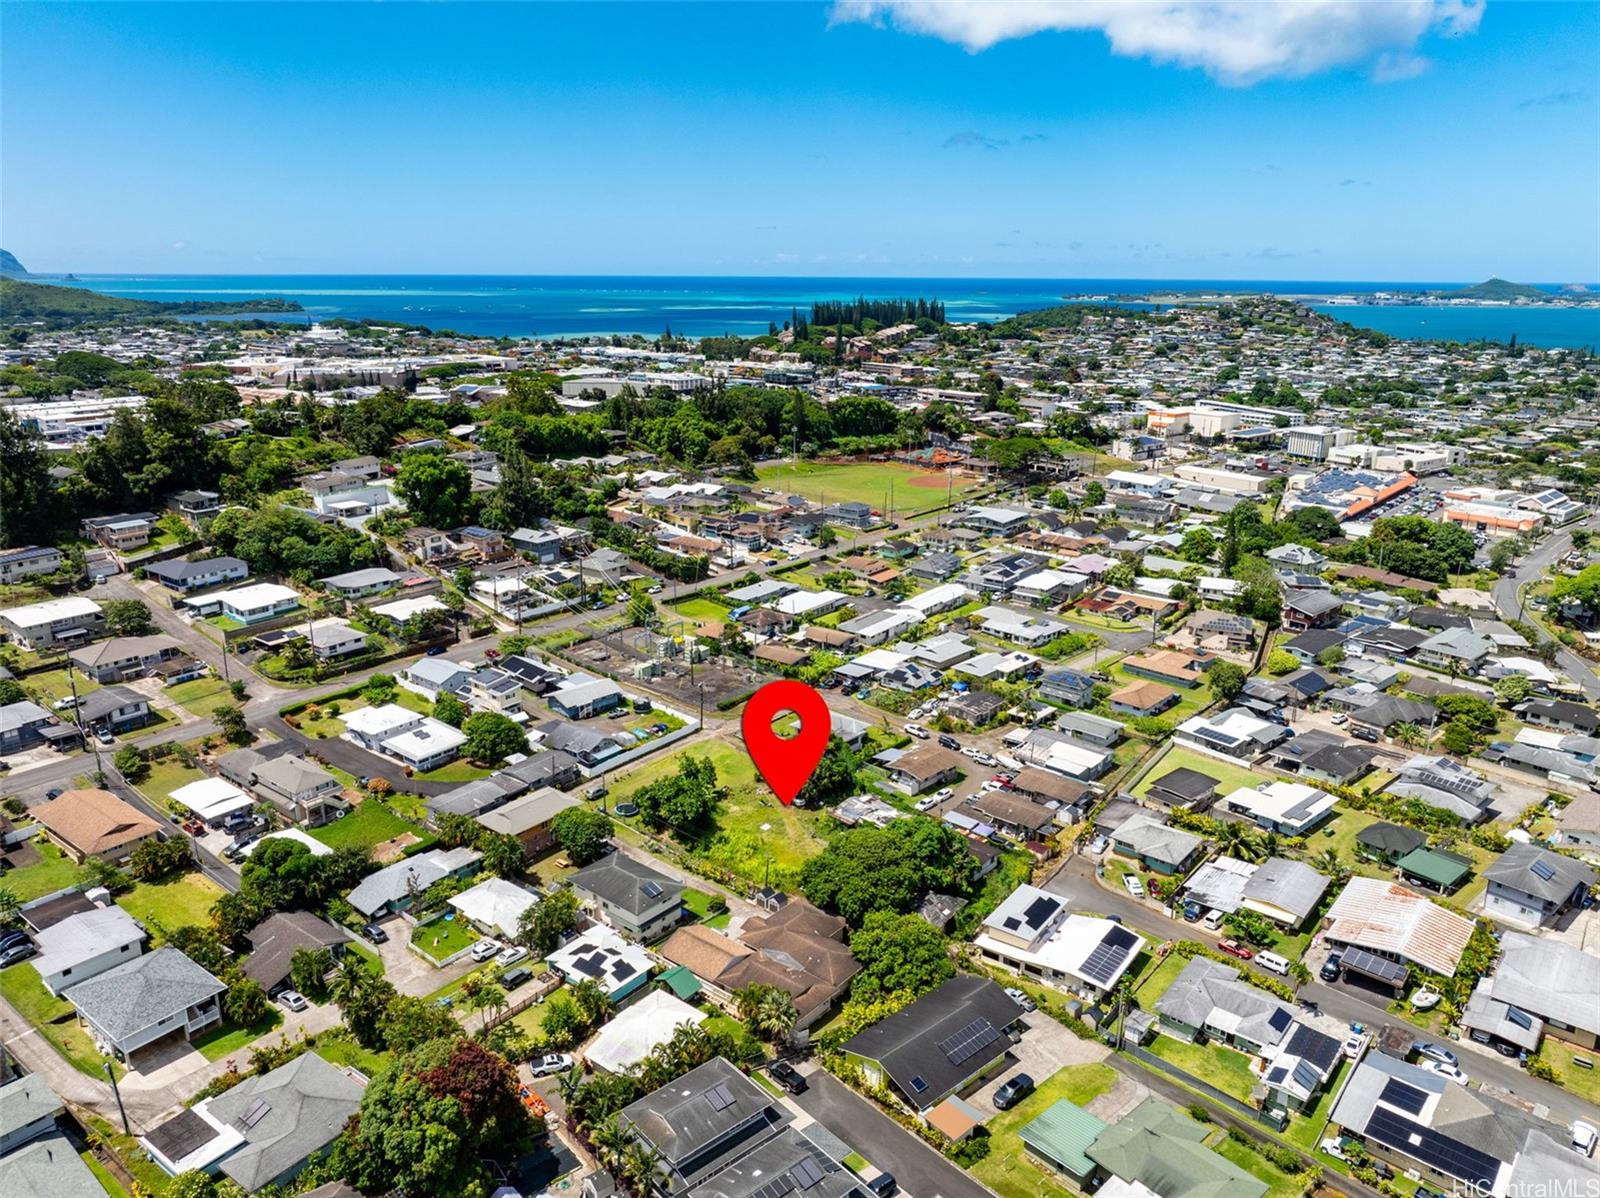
(1234, 949)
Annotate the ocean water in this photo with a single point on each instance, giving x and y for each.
(553, 306)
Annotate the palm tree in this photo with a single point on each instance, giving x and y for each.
(1271, 844)
(1231, 839)
(610, 1142)
(349, 979)
(570, 1083)
(639, 1165)
(485, 997)
(592, 1001)
(1298, 973)
(775, 1014)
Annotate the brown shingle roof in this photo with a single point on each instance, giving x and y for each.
(93, 821)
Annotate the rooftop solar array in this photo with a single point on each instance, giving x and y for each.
(181, 1135)
(1277, 1075)
(776, 1188)
(651, 889)
(1280, 1019)
(1374, 966)
(1040, 910)
(720, 1097)
(1307, 1077)
(969, 1041)
(1519, 1017)
(1109, 955)
(1404, 1097)
(1447, 1155)
(806, 1173)
(1542, 869)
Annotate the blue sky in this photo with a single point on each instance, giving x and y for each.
(1410, 140)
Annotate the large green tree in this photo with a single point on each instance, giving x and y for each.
(435, 489)
(898, 954)
(24, 484)
(492, 737)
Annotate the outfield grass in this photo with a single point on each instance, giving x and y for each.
(739, 843)
(1006, 1169)
(1229, 777)
(184, 901)
(866, 482)
(52, 872)
(370, 823)
(54, 1017)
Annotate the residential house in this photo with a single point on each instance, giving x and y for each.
(617, 966)
(431, 677)
(94, 823)
(1448, 784)
(1011, 816)
(151, 998)
(494, 906)
(42, 626)
(924, 768)
(1285, 891)
(332, 639)
(1395, 924)
(1209, 1000)
(1032, 932)
(85, 945)
(1387, 843)
(265, 1130)
(123, 532)
(1155, 1149)
(28, 561)
(1307, 609)
(302, 790)
(1143, 699)
(1074, 687)
(277, 938)
(1532, 887)
(358, 584)
(23, 725)
(394, 887)
(1437, 870)
(582, 696)
(125, 657)
(1550, 983)
(115, 708)
(630, 896)
(1155, 846)
(1289, 808)
(939, 1044)
(528, 818)
(1184, 788)
(256, 603)
(186, 576)
(1170, 667)
(1455, 649)
(1234, 734)
(1561, 715)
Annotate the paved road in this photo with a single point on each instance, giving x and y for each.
(921, 1172)
(1074, 880)
(1532, 568)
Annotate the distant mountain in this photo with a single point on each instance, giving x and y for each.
(31, 303)
(10, 267)
(1497, 289)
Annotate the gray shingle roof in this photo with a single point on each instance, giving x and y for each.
(1531, 870)
(308, 1103)
(1208, 992)
(620, 881)
(1291, 885)
(130, 997)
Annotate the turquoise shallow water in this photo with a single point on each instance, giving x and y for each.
(530, 305)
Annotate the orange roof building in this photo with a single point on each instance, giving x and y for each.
(95, 823)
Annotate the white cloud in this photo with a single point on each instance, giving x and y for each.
(1236, 41)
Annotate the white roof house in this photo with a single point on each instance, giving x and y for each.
(1288, 807)
(402, 610)
(1033, 931)
(85, 945)
(808, 603)
(37, 615)
(630, 1037)
(494, 904)
(254, 600)
(370, 726)
(938, 598)
(599, 955)
(212, 798)
(429, 744)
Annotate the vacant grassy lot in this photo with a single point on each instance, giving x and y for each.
(705, 613)
(183, 901)
(1229, 777)
(166, 776)
(914, 490)
(1214, 1064)
(369, 824)
(52, 872)
(50, 685)
(752, 826)
(443, 937)
(460, 770)
(201, 696)
(54, 1017)
(1006, 1169)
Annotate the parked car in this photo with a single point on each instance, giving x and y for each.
(597, 791)
(928, 802)
(485, 949)
(65, 703)
(1234, 949)
(238, 848)
(986, 759)
(12, 938)
(1369, 735)
(434, 651)
(655, 590)
(375, 934)
(103, 735)
(512, 978)
(1330, 970)
(54, 793)
(883, 1186)
(294, 1000)
(1020, 996)
(1443, 1070)
(943, 793)
(1584, 1136)
(17, 952)
(1099, 844)
(787, 1076)
(551, 1062)
(1191, 912)
(1013, 1092)
(971, 751)
(1355, 1044)
(1135, 887)
(918, 731)
(510, 955)
(1338, 717)
(1429, 1051)
(1334, 1148)
(949, 742)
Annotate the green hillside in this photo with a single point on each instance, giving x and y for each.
(29, 303)
(1497, 289)
(10, 266)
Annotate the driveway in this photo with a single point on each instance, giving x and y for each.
(1044, 1048)
(408, 971)
(921, 1172)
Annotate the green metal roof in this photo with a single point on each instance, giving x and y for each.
(1062, 1132)
(1435, 865)
(680, 981)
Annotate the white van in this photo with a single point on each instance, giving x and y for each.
(1213, 920)
(1272, 961)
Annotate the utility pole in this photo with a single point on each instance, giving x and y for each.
(121, 1110)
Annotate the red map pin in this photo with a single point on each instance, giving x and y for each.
(787, 765)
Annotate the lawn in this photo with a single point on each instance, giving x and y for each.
(1229, 777)
(531, 1020)
(50, 685)
(1339, 834)
(1189, 701)
(166, 776)
(460, 770)
(324, 724)
(231, 1037)
(108, 1183)
(1224, 1068)
(1158, 981)
(443, 937)
(201, 696)
(183, 901)
(914, 490)
(1279, 1183)
(752, 826)
(54, 1017)
(1558, 1055)
(339, 1047)
(1305, 1129)
(52, 872)
(370, 823)
(1006, 1169)
(701, 611)
(699, 904)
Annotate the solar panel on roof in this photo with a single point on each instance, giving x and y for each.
(807, 1173)
(1011, 922)
(720, 1097)
(1120, 937)
(1280, 1019)
(1404, 1097)
(969, 1041)
(1040, 910)
(918, 1084)
(1519, 1017)
(1277, 1075)
(588, 966)
(1543, 870)
(776, 1188)
(621, 970)
(1447, 1155)
(255, 1113)
(1306, 1076)
(651, 890)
